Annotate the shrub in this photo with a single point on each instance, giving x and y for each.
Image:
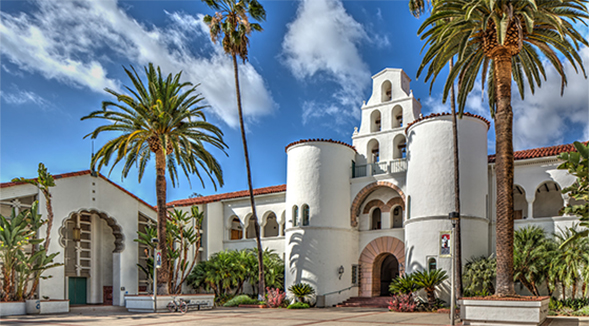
(404, 284)
(302, 291)
(223, 298)
(240, 299)
(275, 297)
(403, 303)
(298, 305)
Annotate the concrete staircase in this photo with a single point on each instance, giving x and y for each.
(370, 302)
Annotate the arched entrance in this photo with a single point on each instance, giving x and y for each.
(388, 271)
(380, 261)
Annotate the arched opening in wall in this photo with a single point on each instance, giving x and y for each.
(373, 151)
(397, 116)
(386, 91)
(295, 215)
(396, 217)
(520, 204)
(305, 218)
(283, 222)
(236, 231)
(90, 239)
(432, 265)
(399, 147)
(389, 269)
(376, 219)
(251, 228)
(375, 122)
(548, 201)
(271, 227)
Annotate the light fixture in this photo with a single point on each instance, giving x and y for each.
(454, 217)
(77, 233)
(340, 272)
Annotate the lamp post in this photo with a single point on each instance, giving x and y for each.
(155, 267)
(454, 217)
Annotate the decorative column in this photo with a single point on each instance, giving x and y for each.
(530, 201)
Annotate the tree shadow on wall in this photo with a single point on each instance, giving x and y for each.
(303, 248)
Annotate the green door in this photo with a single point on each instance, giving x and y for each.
(77, 290)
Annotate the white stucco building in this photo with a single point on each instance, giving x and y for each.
(377, 208)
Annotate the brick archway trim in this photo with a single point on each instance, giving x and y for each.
(373, 203)
(396, 201)
(372, 256)
(357, 203)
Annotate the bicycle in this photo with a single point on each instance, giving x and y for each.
(177, 305)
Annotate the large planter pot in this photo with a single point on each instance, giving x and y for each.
(144, 303)
(35, 306)
(524, 311)
(12, 308)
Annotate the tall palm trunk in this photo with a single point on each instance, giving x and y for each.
(49, 217)
(163, 273)
(504, 173)
(457, 237)
(261, 285)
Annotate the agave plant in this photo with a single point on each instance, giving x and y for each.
(302, 291)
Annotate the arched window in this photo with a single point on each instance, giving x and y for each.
(399, 147)
(376, 222)
(397, 217)
(295, 215)
(386, 91)
(520, 204)
(271, 227)
(236, 231)
(397, 116)
(373, 151)
(251, 228)
(432, 265)
(305, 215)
(375, 122)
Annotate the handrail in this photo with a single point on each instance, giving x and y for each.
(340, 291)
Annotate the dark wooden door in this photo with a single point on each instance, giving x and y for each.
(107, 295)
(77, 290)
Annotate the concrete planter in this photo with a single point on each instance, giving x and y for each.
(35, 306)
(12, 308)
(505, 311)
(144, 303)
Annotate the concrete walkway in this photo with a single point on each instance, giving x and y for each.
(109, 315)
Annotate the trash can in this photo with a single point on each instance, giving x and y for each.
(320, 301)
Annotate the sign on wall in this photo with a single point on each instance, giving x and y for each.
(158, 258)
(445, 243)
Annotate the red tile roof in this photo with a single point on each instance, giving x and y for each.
(229, 195)
(318, 140)
(468, 114)
(540, 152)
(80, 173)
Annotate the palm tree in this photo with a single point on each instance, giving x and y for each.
(417, 8)
(429, 280)
(231, 22)
(531, 257)
(501, 38)
(480, 273)
(164, 119)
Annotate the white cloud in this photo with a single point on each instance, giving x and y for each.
(322, 42)
(545, 118)
(73, 41)
(20, 97)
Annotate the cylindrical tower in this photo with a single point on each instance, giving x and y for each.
(430, 188)
(319, 238)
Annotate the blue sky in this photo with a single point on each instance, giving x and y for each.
(308, 73)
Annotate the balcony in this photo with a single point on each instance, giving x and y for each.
(382, 167)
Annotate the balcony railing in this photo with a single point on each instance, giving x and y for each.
(382, 167)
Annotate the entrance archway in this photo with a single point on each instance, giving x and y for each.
(374, 265)
(389, 269)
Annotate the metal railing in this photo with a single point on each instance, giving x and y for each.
(382, 167)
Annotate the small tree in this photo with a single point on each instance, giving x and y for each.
(577, 163)
(531, 257)
(302, 291)
(22, 261)
(479, 275)
(429, 281)
(182, 235)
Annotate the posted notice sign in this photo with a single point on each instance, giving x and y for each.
(158, 258)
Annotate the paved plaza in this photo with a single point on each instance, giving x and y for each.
(109, 315)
